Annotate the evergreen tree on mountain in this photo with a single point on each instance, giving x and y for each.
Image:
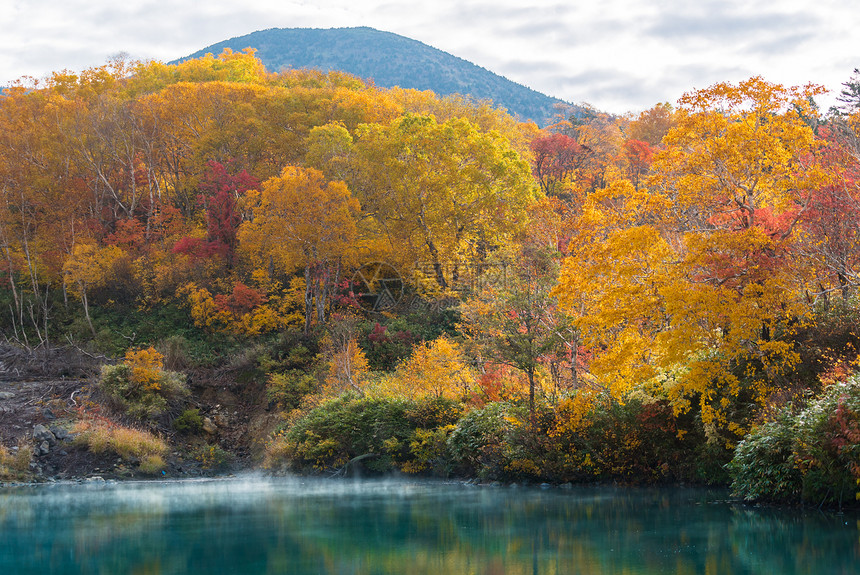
(850, 94)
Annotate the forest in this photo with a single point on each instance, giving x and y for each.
(425, 285)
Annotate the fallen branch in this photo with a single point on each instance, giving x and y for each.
(343, 470)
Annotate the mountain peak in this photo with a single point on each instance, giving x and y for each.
(389, 60)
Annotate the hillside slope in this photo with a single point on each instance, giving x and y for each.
(389, 60)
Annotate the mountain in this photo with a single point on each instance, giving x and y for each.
(389, 60)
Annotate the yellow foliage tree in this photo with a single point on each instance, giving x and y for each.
(302, 221)
(90, 266)
(437, 192)
(688, 284)
(348, 367)
(437, 368)
(146, 367)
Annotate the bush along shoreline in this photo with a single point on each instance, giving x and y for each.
(631, 443)
(154, 424)
(808, 455)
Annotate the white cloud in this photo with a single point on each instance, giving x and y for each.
(618, 55)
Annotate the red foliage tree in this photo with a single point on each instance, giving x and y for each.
(557, 157)
(639, 156)
(219, 193)
(241, 301)
(832, 219)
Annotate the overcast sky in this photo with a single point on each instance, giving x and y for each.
(617, 55)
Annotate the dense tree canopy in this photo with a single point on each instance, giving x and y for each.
(690, 262)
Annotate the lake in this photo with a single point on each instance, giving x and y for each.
(309, 526)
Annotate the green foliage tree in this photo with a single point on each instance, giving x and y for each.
(438, 192)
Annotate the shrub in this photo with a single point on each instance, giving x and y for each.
(431, 412)
(337, 431)
(390, 343)
(287, 390)
(631, 441)
(385, 346)
(428, 450)
(140, 386)
(763, 465)
(189, 421)
(151, 464)
(828, 444)
(812, 456)
(478, 442)
(176, 352)
(398, 433)
(213, 457)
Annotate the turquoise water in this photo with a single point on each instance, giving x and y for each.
(295, 526)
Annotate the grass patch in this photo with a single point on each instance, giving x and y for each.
(15, 466)
(132, 445)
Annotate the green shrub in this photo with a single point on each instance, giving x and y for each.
(189, 421)
(428, 451)
(634, 442)
(477, 444)
(763, 465)
(349, 426)
(288, 389)
(431, 411)
(214, 457)
(811, 456)
(393, 433)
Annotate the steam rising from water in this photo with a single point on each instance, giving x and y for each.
(181, 496)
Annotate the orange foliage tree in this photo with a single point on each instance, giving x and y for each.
(302, 221)
(701, 286)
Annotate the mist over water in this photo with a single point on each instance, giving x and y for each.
(302, 526)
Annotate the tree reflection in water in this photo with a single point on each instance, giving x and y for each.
(377, 527)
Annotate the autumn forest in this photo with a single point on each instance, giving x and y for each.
(427, 285)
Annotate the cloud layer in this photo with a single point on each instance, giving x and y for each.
(618, 55)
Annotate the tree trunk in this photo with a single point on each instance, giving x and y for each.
(531, 375)
(309, 299)
(322, 291)
(86, 305)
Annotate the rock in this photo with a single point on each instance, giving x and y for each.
(221, 421)
(42, 433)
(48, 414)
(60, 433)
(6, 395)
(545, 486)
(43, 448)
(209, 427)
(566, 486)
(95, 479)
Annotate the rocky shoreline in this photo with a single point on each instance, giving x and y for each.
(44, 393)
